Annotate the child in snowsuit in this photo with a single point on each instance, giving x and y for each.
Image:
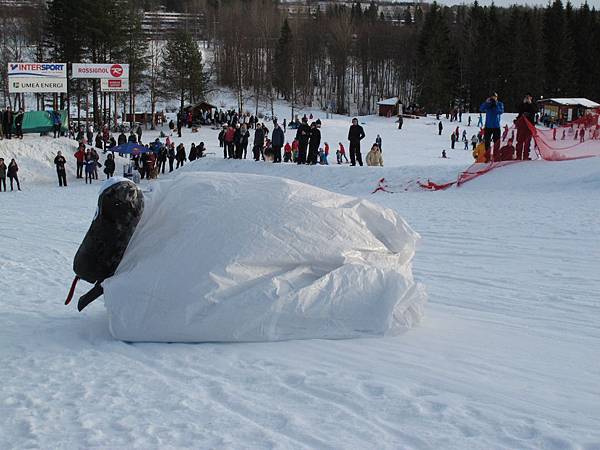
(341, 153)
(287, 152)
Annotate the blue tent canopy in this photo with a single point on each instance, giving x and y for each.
(130, 148)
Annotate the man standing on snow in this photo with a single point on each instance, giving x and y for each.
(60, 162)
(527, 112)
(277, 141)
(493, 110)
(302, 136)
(315, 142)
(355, 135)
(440, 128)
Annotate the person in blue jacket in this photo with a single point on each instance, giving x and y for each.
(493, 110)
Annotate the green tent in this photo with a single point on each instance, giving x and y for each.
(42, 121)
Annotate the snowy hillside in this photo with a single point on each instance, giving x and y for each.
(506, 356)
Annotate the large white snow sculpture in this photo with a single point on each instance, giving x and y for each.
(223, 257)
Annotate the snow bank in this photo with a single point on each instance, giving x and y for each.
(235, 257)
(35, 157)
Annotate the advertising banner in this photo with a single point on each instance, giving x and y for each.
(34, 70)
(111, 85)
(20, 84)
(100, 71)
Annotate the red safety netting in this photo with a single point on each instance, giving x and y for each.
(574, 140)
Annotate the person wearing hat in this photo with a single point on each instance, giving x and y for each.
(527, 111)
(493, 110)
(315, 142)
(355, 135)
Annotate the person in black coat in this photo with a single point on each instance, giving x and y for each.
(162, 159)
(245, 139)
(193, 153)
(180, 156)
(237, 142)
(109, 166)
(60, 162)
(171, 155)
(132, 138)
(12, 170)
(313, 146)
(277, 141)
(122, 139)
(355, 135)
(302, 136)
(19, 124)
(259, 142)
(7, 121)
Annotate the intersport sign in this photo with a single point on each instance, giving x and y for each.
(35, 70)
(100, 71)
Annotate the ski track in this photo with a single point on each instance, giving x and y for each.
(507, 356)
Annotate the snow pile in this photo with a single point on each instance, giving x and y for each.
(35, 157)
(234, 257)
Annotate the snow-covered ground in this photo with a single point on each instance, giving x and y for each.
(506, 357)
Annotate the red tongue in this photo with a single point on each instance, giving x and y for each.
(72, 290)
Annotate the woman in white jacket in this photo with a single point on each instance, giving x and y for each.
(374, 157)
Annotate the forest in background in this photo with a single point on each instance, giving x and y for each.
(344, 58)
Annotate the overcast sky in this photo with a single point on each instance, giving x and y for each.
(592, 3)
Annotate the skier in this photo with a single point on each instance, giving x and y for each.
(400, 122)
(315, 142)
(3, 169)
(109, 166)
(480, 121)
(469, 121)
(378, 142)
(278, 138)
(59, 162)
(474, 141)
(374, 157)
(440, 128)
(453, 140)
(355, 135)
(493, 109)
(444, 154)
(12, 171)
(302, 136)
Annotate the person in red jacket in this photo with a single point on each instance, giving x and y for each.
(341, 153)
(80, 157)
(229, 138)
(287, 152)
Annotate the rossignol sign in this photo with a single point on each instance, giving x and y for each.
(100, 71)
(17, 85)
(34, 70)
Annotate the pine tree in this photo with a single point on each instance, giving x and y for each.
(559, 51)
(436, 61)
(183, 67)
(284, 53)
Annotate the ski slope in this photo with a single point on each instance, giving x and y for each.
(506, 356)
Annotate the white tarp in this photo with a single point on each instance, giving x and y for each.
(223, 257)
